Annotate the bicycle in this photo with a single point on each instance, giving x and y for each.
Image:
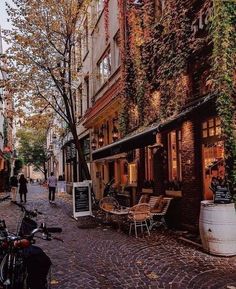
(24, 266)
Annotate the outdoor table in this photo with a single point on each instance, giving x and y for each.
(119, 214)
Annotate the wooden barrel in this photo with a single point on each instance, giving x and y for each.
(217, 225)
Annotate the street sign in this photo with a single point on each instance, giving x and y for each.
(82, 205)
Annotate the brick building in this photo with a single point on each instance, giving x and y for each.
(169, 125)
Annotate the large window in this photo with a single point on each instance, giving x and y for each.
(85, 37)
(213, 154)
(117, 56)
(86, 82)
(80, 100)
(104, 68)
(174, 153)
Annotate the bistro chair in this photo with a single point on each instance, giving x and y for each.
(138, 216)
(108, 204)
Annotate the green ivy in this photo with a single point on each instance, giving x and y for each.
(223, 64)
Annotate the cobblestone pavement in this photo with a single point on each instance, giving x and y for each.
(102, 258)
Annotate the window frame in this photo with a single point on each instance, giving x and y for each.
(178, 156)
(103, 77)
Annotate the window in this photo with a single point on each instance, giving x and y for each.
(174, 153)
(117, 56)
(75, 102)
(79, 53)
(104, 68)
(85, 37)
(99, 6)
(159, 9)
(86, 82)
(80, 104)
(211, 127)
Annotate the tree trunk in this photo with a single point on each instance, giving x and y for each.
(82, 160)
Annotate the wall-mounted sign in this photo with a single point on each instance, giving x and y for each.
(82, 202)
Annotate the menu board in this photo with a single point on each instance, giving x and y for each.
(222, 196)
(82, 199)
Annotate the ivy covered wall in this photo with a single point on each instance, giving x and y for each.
(157, 52)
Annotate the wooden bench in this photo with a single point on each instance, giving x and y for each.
(159, 215)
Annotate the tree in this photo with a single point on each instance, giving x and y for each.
(32, 148)
(40, 58)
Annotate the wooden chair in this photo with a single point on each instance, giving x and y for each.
(138, 216)
(160, 212)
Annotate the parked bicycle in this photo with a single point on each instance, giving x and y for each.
(23, 265)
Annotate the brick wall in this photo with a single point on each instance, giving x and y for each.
(191, 173)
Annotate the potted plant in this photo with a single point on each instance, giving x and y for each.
(173, 188)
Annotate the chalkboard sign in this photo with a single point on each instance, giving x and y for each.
(82, 199)
(222, 196)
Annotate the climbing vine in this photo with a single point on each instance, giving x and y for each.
(223, 70)
(156, 54)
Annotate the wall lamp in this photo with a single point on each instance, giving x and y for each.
(115, 131)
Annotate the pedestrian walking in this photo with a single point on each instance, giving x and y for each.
(14, 187)
(23, 188)
(52, 183)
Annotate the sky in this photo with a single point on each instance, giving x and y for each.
(3, 18)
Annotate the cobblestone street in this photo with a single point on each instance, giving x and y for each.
(102, 258)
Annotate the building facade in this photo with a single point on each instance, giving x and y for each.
(148, 101)
(163, 95)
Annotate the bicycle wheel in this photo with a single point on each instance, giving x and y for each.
(18, 275)
(12, 272)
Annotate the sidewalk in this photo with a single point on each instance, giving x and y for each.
(102, 258)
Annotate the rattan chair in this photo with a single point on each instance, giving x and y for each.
(138, 216)
(108, 204)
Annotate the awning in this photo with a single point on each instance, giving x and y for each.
(128, 143)
(147, 136)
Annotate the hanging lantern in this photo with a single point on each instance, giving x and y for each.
(94, 143)
(101, 139)
(115, 133)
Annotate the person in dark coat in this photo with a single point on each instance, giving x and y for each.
(14, 186)
(23, 188)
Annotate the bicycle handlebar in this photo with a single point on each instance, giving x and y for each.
(28, 212)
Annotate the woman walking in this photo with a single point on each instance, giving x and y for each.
(23, 188)
(14, 186)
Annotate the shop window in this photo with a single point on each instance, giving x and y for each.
(212, 154)
(211, 127)
(148, 164)
(132, 176)
(104, 68)
(174, 153)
